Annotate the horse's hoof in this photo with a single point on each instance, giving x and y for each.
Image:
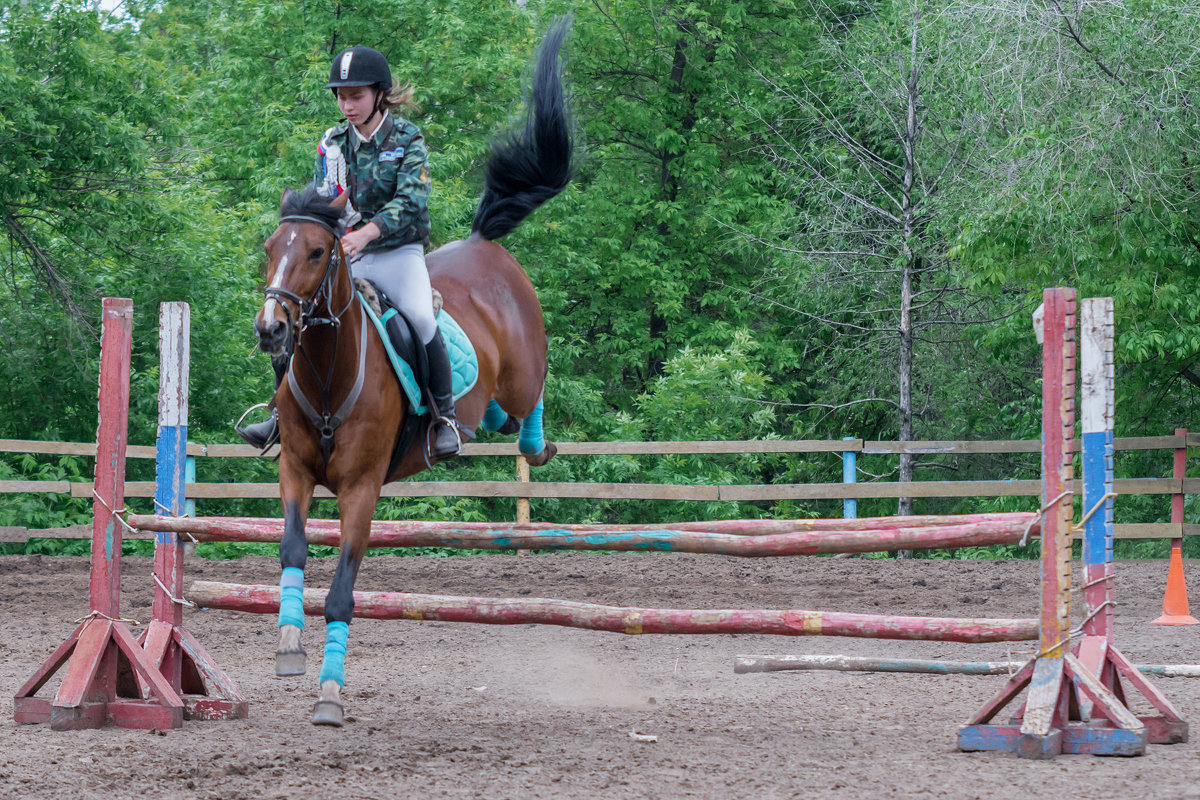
(328, 712)
(548, 452)
(510, 426)
(290, 663)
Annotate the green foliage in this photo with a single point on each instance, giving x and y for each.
(686, 276)
(41, 510)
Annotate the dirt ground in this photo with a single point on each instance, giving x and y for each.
(443, 710)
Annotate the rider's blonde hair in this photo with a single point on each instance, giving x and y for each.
(399, 98)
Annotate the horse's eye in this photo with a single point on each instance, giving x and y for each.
(317, 253)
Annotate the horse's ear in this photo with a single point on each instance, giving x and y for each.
(340, 201)
(287, 193)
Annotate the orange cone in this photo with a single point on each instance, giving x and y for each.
(1175, 602)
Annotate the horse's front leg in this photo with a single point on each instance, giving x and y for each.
(295, 489)
(356, 507)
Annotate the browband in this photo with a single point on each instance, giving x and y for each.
(314, 220)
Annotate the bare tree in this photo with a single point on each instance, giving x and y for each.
(867, 154)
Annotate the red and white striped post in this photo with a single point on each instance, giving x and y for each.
(89, 695)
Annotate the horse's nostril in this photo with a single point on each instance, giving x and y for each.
(271, 334)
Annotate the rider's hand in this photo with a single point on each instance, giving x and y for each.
(354, 241)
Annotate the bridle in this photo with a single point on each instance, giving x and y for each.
(325, 421)
(324, 291)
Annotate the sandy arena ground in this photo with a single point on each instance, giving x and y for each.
(442, 710)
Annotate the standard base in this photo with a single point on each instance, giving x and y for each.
(121, 713)
(206, 691)
(100, 658)
(1073, 739)
(1067, 710)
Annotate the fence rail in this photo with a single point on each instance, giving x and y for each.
(743, 447)
(523, 490)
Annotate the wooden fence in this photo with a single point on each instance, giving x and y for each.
(522, 489)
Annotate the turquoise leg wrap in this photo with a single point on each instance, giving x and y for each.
(494, 417)
(291, 597)
(333, 668)
(530, 442)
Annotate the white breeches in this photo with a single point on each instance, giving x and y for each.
(402, 276)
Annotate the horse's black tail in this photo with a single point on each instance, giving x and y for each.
(532, 164)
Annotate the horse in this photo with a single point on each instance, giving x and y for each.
(352, 444)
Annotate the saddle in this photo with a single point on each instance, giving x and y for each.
(407, 354)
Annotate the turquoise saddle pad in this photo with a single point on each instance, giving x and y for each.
(464, 365)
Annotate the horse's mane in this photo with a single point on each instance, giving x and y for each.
(310, 203)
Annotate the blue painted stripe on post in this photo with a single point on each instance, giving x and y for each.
(170, 474)
(333, 668)
(849, 475)
(1097, 480)
(189, 476)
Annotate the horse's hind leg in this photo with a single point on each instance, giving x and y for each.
(497, 420)
(357, 507)
(532, 442)
(296, 493)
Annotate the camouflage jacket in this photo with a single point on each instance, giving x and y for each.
(387, 177)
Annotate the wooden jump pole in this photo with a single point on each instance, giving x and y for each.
(449, 534)
(746, 664)
(619, 619)
(102, 645)
(207, 692)
(733, 527)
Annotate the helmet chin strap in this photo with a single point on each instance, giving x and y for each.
(375, 110)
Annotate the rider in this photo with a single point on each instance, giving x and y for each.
(380, 159)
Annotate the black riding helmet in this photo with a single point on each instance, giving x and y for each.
(360, 66)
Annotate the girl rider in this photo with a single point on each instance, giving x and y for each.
(381, 160)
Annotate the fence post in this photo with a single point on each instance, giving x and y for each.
(189, 476)
(849, 475)
(522, 502)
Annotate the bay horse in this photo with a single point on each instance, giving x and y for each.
(339, 366)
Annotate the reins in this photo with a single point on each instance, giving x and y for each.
(325, 421)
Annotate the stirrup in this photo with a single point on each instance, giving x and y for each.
(241, 431)
(431, 432)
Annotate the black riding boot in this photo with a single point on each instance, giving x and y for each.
(446, 442)
(264, 434)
